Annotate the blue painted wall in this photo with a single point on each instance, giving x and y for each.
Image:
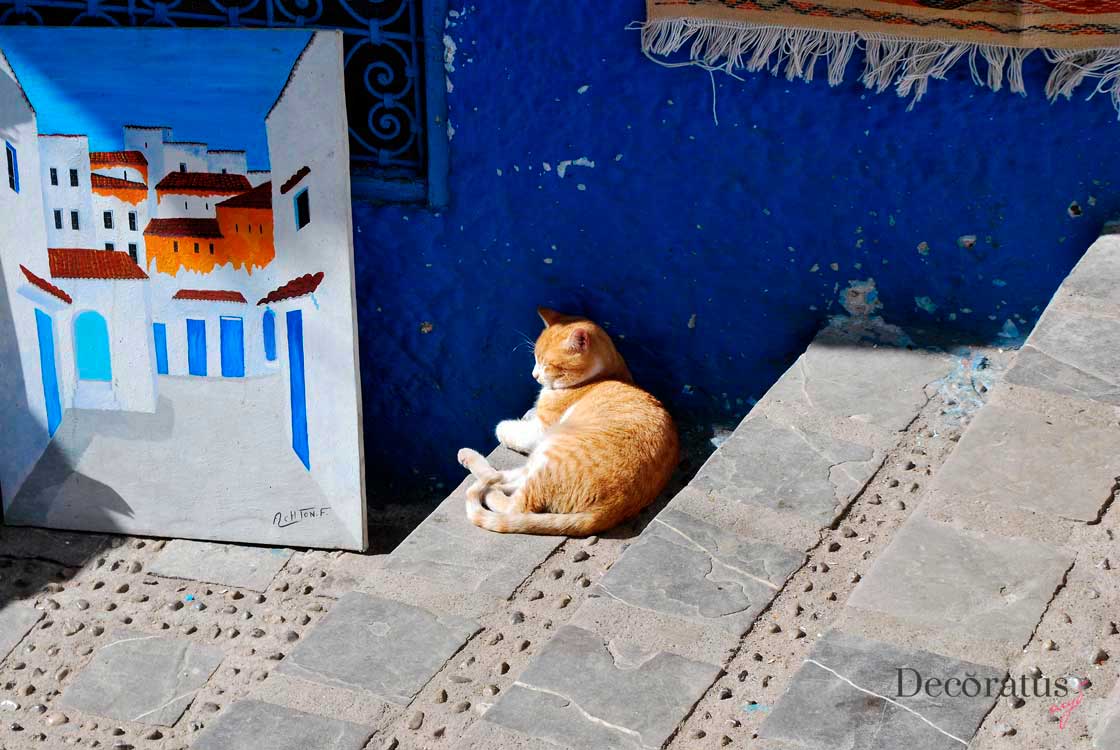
(749, 229)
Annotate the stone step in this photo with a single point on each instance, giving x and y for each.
(1007, 521)
(703, 570)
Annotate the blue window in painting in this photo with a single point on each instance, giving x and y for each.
(159, 333)
(269, 331)
(47, 368)
(13, 166)
(196, 347)
(303, 209)
(233, 346)
(91, 347)
(298, 391)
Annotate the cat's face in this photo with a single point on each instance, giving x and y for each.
(571, 351)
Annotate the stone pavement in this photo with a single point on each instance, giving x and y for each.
(839, 535)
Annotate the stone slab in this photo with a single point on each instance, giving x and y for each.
(252, 725)
(684, 567)
(16, 621)
(1027, 460)
(234, 565)
(579, 692)
(846, 695)
(63, 547)
(883, 386)
(617, 621)
(453, 552)
(1097, 276)
(1106, 730)
(1072, 354)
(148, 679)
(786, 469)
(967, 586)
(378, 645)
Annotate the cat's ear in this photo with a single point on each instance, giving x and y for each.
(579, 340)
(548, 316)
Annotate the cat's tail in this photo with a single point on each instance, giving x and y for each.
(516, 522)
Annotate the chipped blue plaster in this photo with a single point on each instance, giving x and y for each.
(755, 226)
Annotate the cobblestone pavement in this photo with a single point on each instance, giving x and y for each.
(886, 511)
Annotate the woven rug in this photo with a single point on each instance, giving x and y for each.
(905, 43)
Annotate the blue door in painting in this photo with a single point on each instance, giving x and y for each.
(91, 347)
(196, 347)
(46, 366)
(294, 319)
(233, 347)
(269, 331)
(159, 332)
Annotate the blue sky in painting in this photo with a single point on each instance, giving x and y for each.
(208, 85)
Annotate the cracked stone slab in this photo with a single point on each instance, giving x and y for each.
(690, 569)
(883, 386)
(148, 679)
(969, 586)
(1071, 354)
(451, 551)
(786, 469)
(847, 695)
(16, 621)
(253, 725)
(243, 567)
(1018, 458)
(74, 549)
(579, 692)
(381, 646)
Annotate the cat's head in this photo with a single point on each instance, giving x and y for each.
(572, 351)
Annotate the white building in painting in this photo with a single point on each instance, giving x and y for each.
(67, 199)
(225, 161)
(31, 316)
(310, 171)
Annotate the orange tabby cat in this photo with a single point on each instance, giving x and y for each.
(600, 448)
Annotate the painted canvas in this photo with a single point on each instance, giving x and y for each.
(177, 328)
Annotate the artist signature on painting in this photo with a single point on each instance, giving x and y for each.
(1064, 710)
(283, 519)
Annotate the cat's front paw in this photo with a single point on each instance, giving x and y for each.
(508, 432)
(521, 435)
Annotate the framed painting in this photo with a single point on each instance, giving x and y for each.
(178, 348)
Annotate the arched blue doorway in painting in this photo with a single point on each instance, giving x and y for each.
(91, 347)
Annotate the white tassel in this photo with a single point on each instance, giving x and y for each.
(907, 64)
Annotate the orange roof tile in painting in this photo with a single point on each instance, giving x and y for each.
(210, 295)
(210, 183)
(117, 159)
(114, 183)
(45, 285)
(258, 197)
(82, 263)
(203, 228)
(297, 287)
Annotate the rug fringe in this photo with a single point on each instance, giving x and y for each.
(906, 64)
